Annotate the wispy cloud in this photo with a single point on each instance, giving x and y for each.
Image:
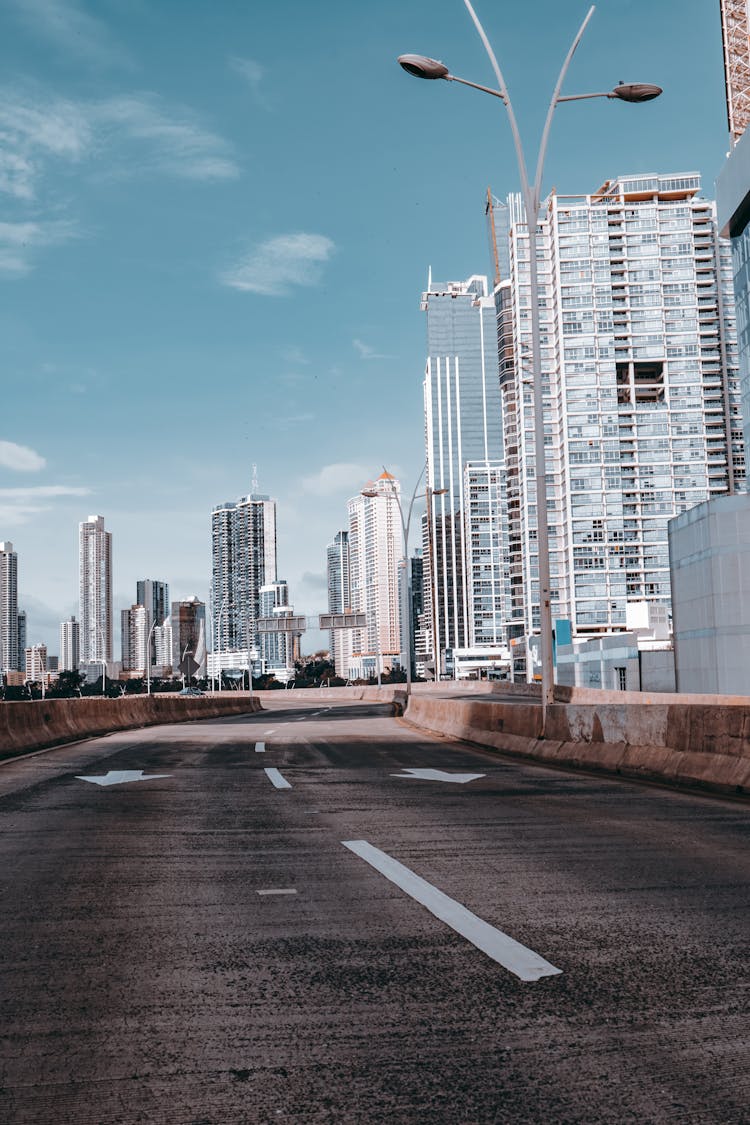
(20, 458)
(275, 266)
(294, 354)
(67, 25)
(342, 477)
(177, 143)
(19, 241)
(33, 132)
(19, 505)
(252, 73)
(367, 352)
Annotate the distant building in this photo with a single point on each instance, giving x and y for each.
(70, 645)
(463, 427)
(188, 627)
(278, 651)
(244, 560)
(375, 549)
(95, 590)
(36, 663)
(22, 632)
(9, 651)
(163, 648)
(154, 596)
(135, 629)
(339, 600)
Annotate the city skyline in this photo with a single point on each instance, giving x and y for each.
(102, 311)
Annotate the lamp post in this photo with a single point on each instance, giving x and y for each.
(422, 67)
(148, 654)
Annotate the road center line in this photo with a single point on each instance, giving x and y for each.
(279, 891)
(522, 962)
(276, 779)
(272, 731)
(260, 747)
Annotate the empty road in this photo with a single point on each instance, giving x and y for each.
(319, 914)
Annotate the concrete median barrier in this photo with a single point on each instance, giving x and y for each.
(44, 723)
(690, 743)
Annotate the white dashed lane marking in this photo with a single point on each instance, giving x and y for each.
(276, 779)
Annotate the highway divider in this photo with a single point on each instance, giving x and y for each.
(43, 723)
(679, 740)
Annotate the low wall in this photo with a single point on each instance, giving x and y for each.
(681, 743)
(34, 726)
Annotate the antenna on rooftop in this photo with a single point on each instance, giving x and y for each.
(254, 485)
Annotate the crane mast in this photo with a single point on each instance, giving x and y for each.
(735, 29)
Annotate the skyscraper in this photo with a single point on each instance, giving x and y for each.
(135, 628)
(95, 590)
(375, 550)
(463, 426)
(244, 559)
(154, 596)
(188, 632)
(278, 651)
(642, 414)
(9, 655)
(70, 645)
(339, 600)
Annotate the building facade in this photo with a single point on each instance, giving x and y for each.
(463, 426)
(154, 596)
(244, 560)
(375, 549)
(278, 651)
(188, 635)
(95, 590)
(36, 664)
(642, 412)
(70, 645)
(339, 600)
(10, 655)
(135, 630)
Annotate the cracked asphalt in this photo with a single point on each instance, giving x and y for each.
(152, 970)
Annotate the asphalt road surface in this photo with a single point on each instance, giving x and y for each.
(216, 937)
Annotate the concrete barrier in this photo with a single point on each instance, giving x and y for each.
(689, 743)
(43, 723)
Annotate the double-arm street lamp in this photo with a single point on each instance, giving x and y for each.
(422, 67)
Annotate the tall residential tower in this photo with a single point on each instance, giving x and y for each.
(95, 590)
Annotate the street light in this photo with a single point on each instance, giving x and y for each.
(420, 66)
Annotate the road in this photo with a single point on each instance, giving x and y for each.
(201, 948)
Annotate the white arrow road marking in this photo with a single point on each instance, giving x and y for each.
(280, 891)
(276, 779)
(260, 747)
(269, 731)
(438, 775)
(522, 962)
(119, 777)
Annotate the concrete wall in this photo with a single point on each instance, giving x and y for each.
(33, 726)
(679, 740)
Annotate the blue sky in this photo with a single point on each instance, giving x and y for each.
(217, 219)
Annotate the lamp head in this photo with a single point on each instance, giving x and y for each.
(636, 92)
(423, 67)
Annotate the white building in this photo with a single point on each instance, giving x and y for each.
(135, 629)
(9, 653)
(339, 600)
(375, 549)
(95, 590)
(642, 410)
(36, 664)
(70, 645)
(278, 651)
(244, 560)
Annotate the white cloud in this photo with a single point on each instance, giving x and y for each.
(273, 267)
(248, 69)
(343, 477)
(367, 352)
(19, 505)
(31, 134)
(66, 24)
(179, 145)
(18, 241)
(20, 458)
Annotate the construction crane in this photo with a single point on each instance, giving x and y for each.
(735, 30)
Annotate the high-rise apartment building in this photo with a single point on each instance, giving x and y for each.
(642, 412)
(154, 596)
(463, 427)
(339, 600)
(95, 590)
(244, 559)
(36, 664)
(9, 652)
(278, 651)
(135, 630)
(375, 549)
(22, 634)
(70, 645)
